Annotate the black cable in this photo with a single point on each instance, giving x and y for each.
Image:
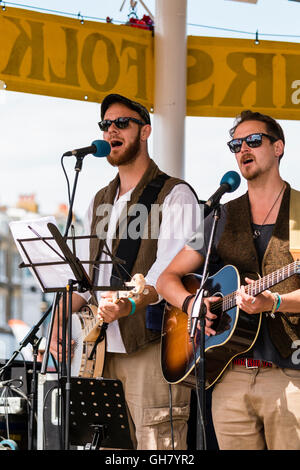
(202, 424)
(68, 183)
(5, 405)
(171, 415)
(8, 389)
(10, 361)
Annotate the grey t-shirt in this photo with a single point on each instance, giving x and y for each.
(263, 348)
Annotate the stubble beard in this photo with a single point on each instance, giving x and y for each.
(251, 176)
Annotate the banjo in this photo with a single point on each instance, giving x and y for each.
(88, 332)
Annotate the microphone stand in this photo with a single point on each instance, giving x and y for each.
(78, 167)
(198, 315)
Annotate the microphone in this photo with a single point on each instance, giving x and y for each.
(229, 183)
(99, 148)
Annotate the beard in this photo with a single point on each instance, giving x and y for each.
(249, 173)
(129, 155)
(250, 176)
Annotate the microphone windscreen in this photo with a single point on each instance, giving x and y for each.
(103, 148)
(233, 179)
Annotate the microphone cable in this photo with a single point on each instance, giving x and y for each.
(202, 424)
(68, 182)
(171, 415)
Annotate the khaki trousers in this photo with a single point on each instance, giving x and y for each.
(147, 398)
(256, 409)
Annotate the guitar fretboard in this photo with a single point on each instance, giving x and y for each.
(262, 284)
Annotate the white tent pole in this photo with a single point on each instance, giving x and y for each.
(170, 85)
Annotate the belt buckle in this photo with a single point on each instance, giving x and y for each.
(250, 367)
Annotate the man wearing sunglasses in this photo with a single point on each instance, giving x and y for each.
(256, 401)
(133, 324)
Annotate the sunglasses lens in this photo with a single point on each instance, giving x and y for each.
(122, 122)
(235, 145)
(104, 125)
(254, 140)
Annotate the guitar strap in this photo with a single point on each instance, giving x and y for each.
(100, 338)
(128, 247)
(294, 224)
(294, 233)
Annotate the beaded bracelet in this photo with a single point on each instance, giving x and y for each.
(186, 302)
(133, 305)
(276, 304)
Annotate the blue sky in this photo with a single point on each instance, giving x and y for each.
(35, 130)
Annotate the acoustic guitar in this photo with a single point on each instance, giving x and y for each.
(236, 331)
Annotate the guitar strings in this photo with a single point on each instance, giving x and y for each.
(114, 276)
(229, 300)
(125, 270)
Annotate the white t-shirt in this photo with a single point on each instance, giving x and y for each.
(180, 219)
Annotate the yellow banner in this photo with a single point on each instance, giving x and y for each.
(57, 56)
(225, 76)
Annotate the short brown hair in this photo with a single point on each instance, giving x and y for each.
(273, 127)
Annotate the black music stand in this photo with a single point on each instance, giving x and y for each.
(81, 282)
(67, 257)
(98, 415)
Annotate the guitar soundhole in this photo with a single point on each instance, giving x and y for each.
(223, 321)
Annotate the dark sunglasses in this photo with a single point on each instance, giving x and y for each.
(252, 140)
(121, 123)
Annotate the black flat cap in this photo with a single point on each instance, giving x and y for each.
(134, 105)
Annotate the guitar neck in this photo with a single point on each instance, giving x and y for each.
(137, 285)
(262, 284)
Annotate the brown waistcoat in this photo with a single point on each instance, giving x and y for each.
(237, 247)
(133, 329)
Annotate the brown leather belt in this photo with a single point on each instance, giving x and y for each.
(250, 363)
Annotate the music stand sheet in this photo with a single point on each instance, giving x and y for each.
(37, 251)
